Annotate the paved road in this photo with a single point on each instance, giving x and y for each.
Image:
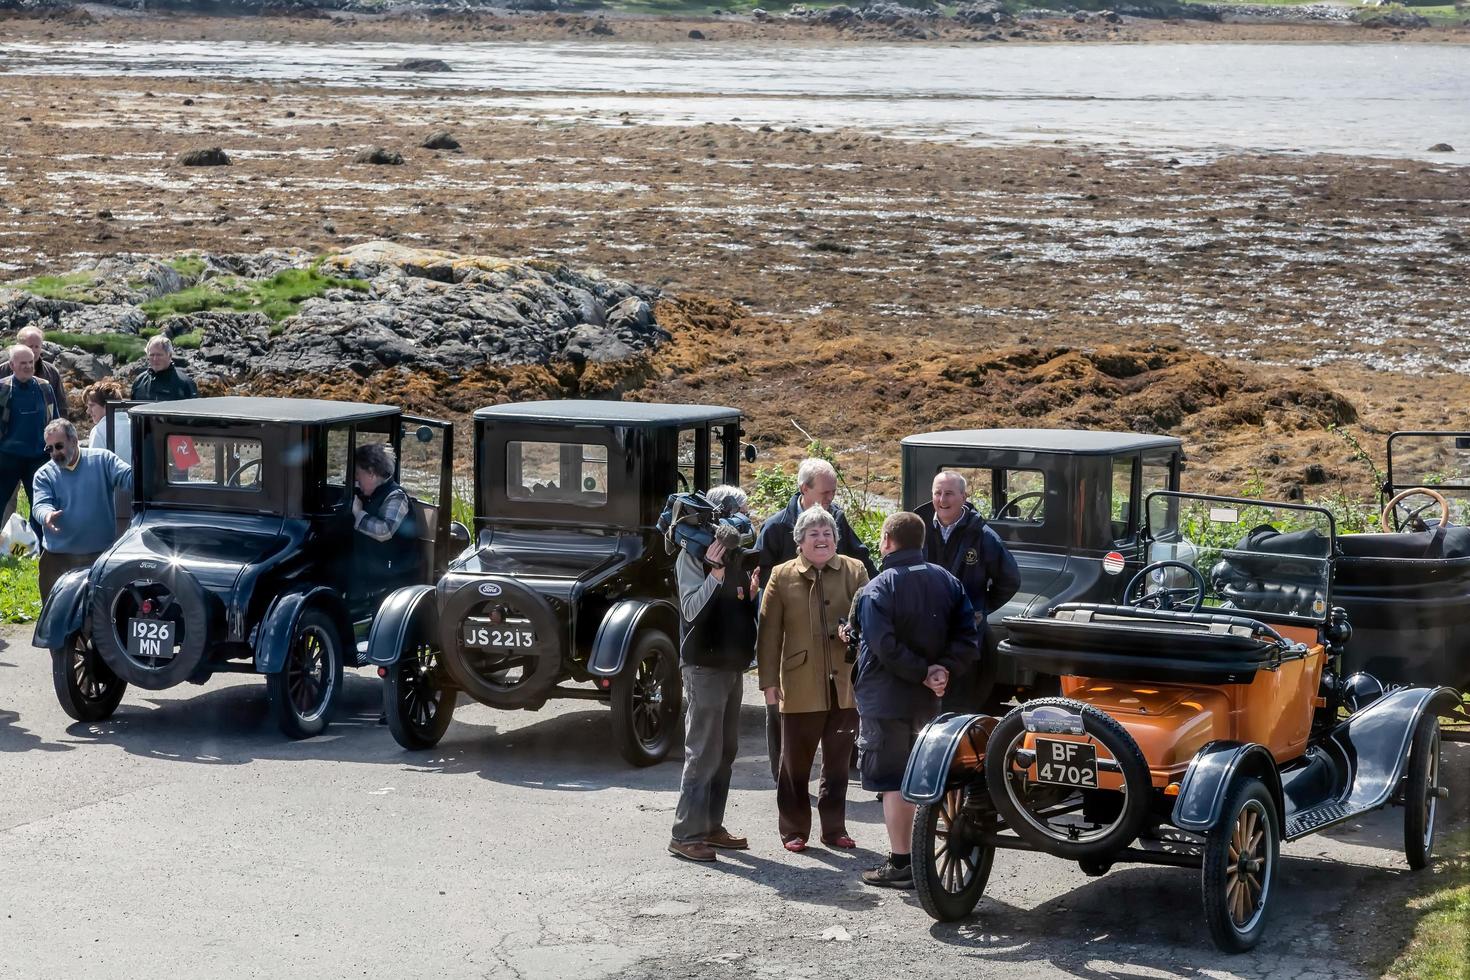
(184, 838)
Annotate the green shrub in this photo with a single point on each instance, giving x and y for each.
(188, 266)
(124, 347)
(188, 341)
(72, 286)
(278, 297)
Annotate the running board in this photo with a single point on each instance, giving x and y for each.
(1320, 817)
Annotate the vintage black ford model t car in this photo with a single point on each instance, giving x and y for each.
(1068, 505)
(568, 580)
(1205, 719)
(241, 555)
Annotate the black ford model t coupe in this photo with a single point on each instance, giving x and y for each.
(241, 556)
(568, 581)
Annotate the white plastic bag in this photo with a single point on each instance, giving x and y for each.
(18, 538)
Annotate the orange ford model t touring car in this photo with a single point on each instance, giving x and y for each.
(1202, 722)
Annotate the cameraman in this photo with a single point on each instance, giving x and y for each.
(716, 646)
(917, 631)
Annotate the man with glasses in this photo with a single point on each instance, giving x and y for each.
(27, 405)
(74, 498)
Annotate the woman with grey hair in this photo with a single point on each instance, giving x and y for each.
(387, 546)
(803, 667)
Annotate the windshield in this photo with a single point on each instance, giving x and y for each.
(1439, 460)
(1260, 558)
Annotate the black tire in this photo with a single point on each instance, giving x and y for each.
(514, 682)
(114, 600)
(418, 698)
(304, 691)
(1421, 793)
(1107, 732)
(1236, 881)
(646, 697)
(86, 687)
(948, 881)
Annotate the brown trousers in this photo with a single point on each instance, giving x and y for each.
(801, 732)
(53, 565)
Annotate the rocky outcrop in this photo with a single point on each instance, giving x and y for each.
(209, 157)
(381, 307)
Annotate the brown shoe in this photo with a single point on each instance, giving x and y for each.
(694, 850)
(723, 838)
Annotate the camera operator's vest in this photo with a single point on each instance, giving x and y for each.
(391, 563)
(723, 634)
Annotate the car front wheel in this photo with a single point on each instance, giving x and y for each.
(645, 700)
(1239, 867)
(1421, 793)
(304, 691)
(86, 687)
(417, 697)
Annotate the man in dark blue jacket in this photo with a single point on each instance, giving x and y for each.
(917, 632)
(958, 539)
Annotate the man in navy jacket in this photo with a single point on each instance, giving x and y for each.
(958, 539)
(917, 632)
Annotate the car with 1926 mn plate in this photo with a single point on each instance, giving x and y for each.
(241, 555)
(568, 590)
(1203, 721)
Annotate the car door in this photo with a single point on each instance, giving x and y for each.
(426, 473)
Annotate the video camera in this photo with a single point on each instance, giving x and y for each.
(691, 522)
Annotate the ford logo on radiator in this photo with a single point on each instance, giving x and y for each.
(489, 588)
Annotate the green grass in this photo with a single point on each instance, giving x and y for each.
(188, 266)
(188, 341)
(278, 297)
(124, 347)
(1441, 944)
(20, 599)
(71, 286)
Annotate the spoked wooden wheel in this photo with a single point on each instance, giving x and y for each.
(646, 700)
(304, 691)
(86, 687)
(951, 866)
(1421, 793)
(1239, 867)
(417, 697)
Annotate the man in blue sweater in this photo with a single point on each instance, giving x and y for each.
(74, 502)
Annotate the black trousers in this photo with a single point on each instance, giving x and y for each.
(801, 732)
(17, 470)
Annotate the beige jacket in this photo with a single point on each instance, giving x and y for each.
(797, 647)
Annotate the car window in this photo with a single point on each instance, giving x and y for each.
(556, 472)
(214, 461)
(1157, 470)
(716, 455)
(1121, 507)
(1024, 497)
(339, 438)
(688, 459)
(420, 453)
(978, 486)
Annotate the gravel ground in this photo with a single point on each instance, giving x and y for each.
(185, 837)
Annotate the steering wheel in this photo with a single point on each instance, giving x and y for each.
(1166, 598)
(1411, 519)
(683, 480)
(1037, 497)
(234, 479)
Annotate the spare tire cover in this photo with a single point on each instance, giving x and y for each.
(115, 591)
(540, 670)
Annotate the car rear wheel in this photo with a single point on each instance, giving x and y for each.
(951, 868)
(1421, 793)
(1239, 867)
(1069, 821)
(86, 687)
(646, 698)
(417, 696)
(304, 691)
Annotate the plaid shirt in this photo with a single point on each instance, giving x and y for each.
(395, 509)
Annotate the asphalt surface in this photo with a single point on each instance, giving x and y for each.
(186, 838)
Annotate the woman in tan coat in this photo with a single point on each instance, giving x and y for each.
(803, 664)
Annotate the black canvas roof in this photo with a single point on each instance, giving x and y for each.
(592, 412)
(305, 411)
(1077, 441)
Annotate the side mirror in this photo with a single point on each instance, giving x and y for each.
(749, 452)
(459, 535)
(425, 433)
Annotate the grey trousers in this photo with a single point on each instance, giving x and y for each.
(711, 743)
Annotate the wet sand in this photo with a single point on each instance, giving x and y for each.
(854, 261)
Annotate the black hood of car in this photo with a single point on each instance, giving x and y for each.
(214, 548)
(549, 561)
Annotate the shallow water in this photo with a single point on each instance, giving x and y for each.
(1366, 99)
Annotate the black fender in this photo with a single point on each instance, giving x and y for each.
(64, 611)
(926, 778)
(1377, 739)
(395, 617)
(616, 631)
(1214, 767)
(279, 624)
